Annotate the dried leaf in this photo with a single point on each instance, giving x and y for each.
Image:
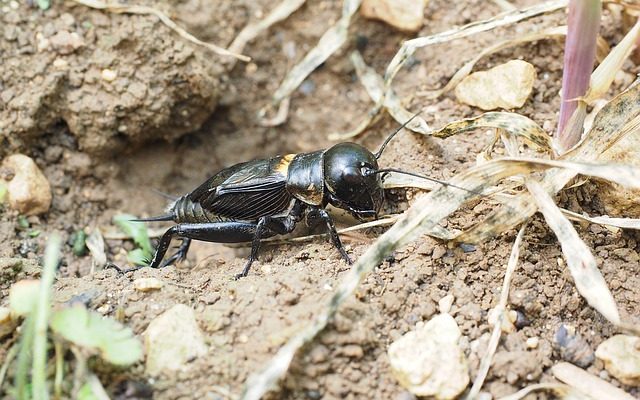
(585, 382)
(410, 46)
(564, 392)
(374, 85)
(603, 76)
(331, 41)
(419, 219)
(625, 223)
(581, 262)
(619, 117)
(515, 124)
(281, 12)
(548, 33)
(95, 244)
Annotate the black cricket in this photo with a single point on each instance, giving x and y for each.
(262, 198)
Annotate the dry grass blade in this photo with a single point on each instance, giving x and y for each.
(374, 85)
(561, 390)
(331, 41)
(625, 223)
(145, 10)
(437, 232)
(500, 309)
(583, 381)
(394, 181)
(603, 76)
(581, 262)
(410, 46)
(625, 175)
(619, 117)
(515, 124)
(419, 219)
(281, 12)
(468, 67)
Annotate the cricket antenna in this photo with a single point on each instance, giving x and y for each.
(443, 183)
(164, 194)
(388, 139)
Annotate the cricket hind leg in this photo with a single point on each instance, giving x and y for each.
(179, 255)
(161, 249)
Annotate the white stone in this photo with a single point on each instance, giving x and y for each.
(406, 15)
(428, 361)
(28, 190)
(148, 284)
(621, 357)
(445, 303)
(109, 75)
(172, 340)
(505, 86)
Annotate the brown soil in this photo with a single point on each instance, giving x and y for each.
(71, 122)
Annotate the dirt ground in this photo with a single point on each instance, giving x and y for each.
(174, 116)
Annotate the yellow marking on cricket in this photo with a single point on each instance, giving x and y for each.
(283, 165)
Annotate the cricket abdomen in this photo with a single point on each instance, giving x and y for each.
(186, 211)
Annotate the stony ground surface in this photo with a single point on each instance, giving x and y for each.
(85, 131)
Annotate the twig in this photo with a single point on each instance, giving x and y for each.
(11, 354)
(500, 309)
(557, 388)
(144, 10)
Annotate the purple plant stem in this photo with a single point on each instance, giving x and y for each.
(579, 58)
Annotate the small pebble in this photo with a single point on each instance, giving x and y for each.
(573, 348)
(406, 15)
(60, 63)
(109, 75)
(532, 342)
(147, 284)
(467, 248)
(104, 309)
(445, 303)
(65, 42)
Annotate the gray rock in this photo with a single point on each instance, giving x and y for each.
(172, 340)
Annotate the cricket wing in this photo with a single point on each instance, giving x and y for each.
(246, 191)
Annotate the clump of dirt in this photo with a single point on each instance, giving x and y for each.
(114, 80)
(246, 321)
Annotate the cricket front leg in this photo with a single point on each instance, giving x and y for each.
(267, 226)
(323, 215)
